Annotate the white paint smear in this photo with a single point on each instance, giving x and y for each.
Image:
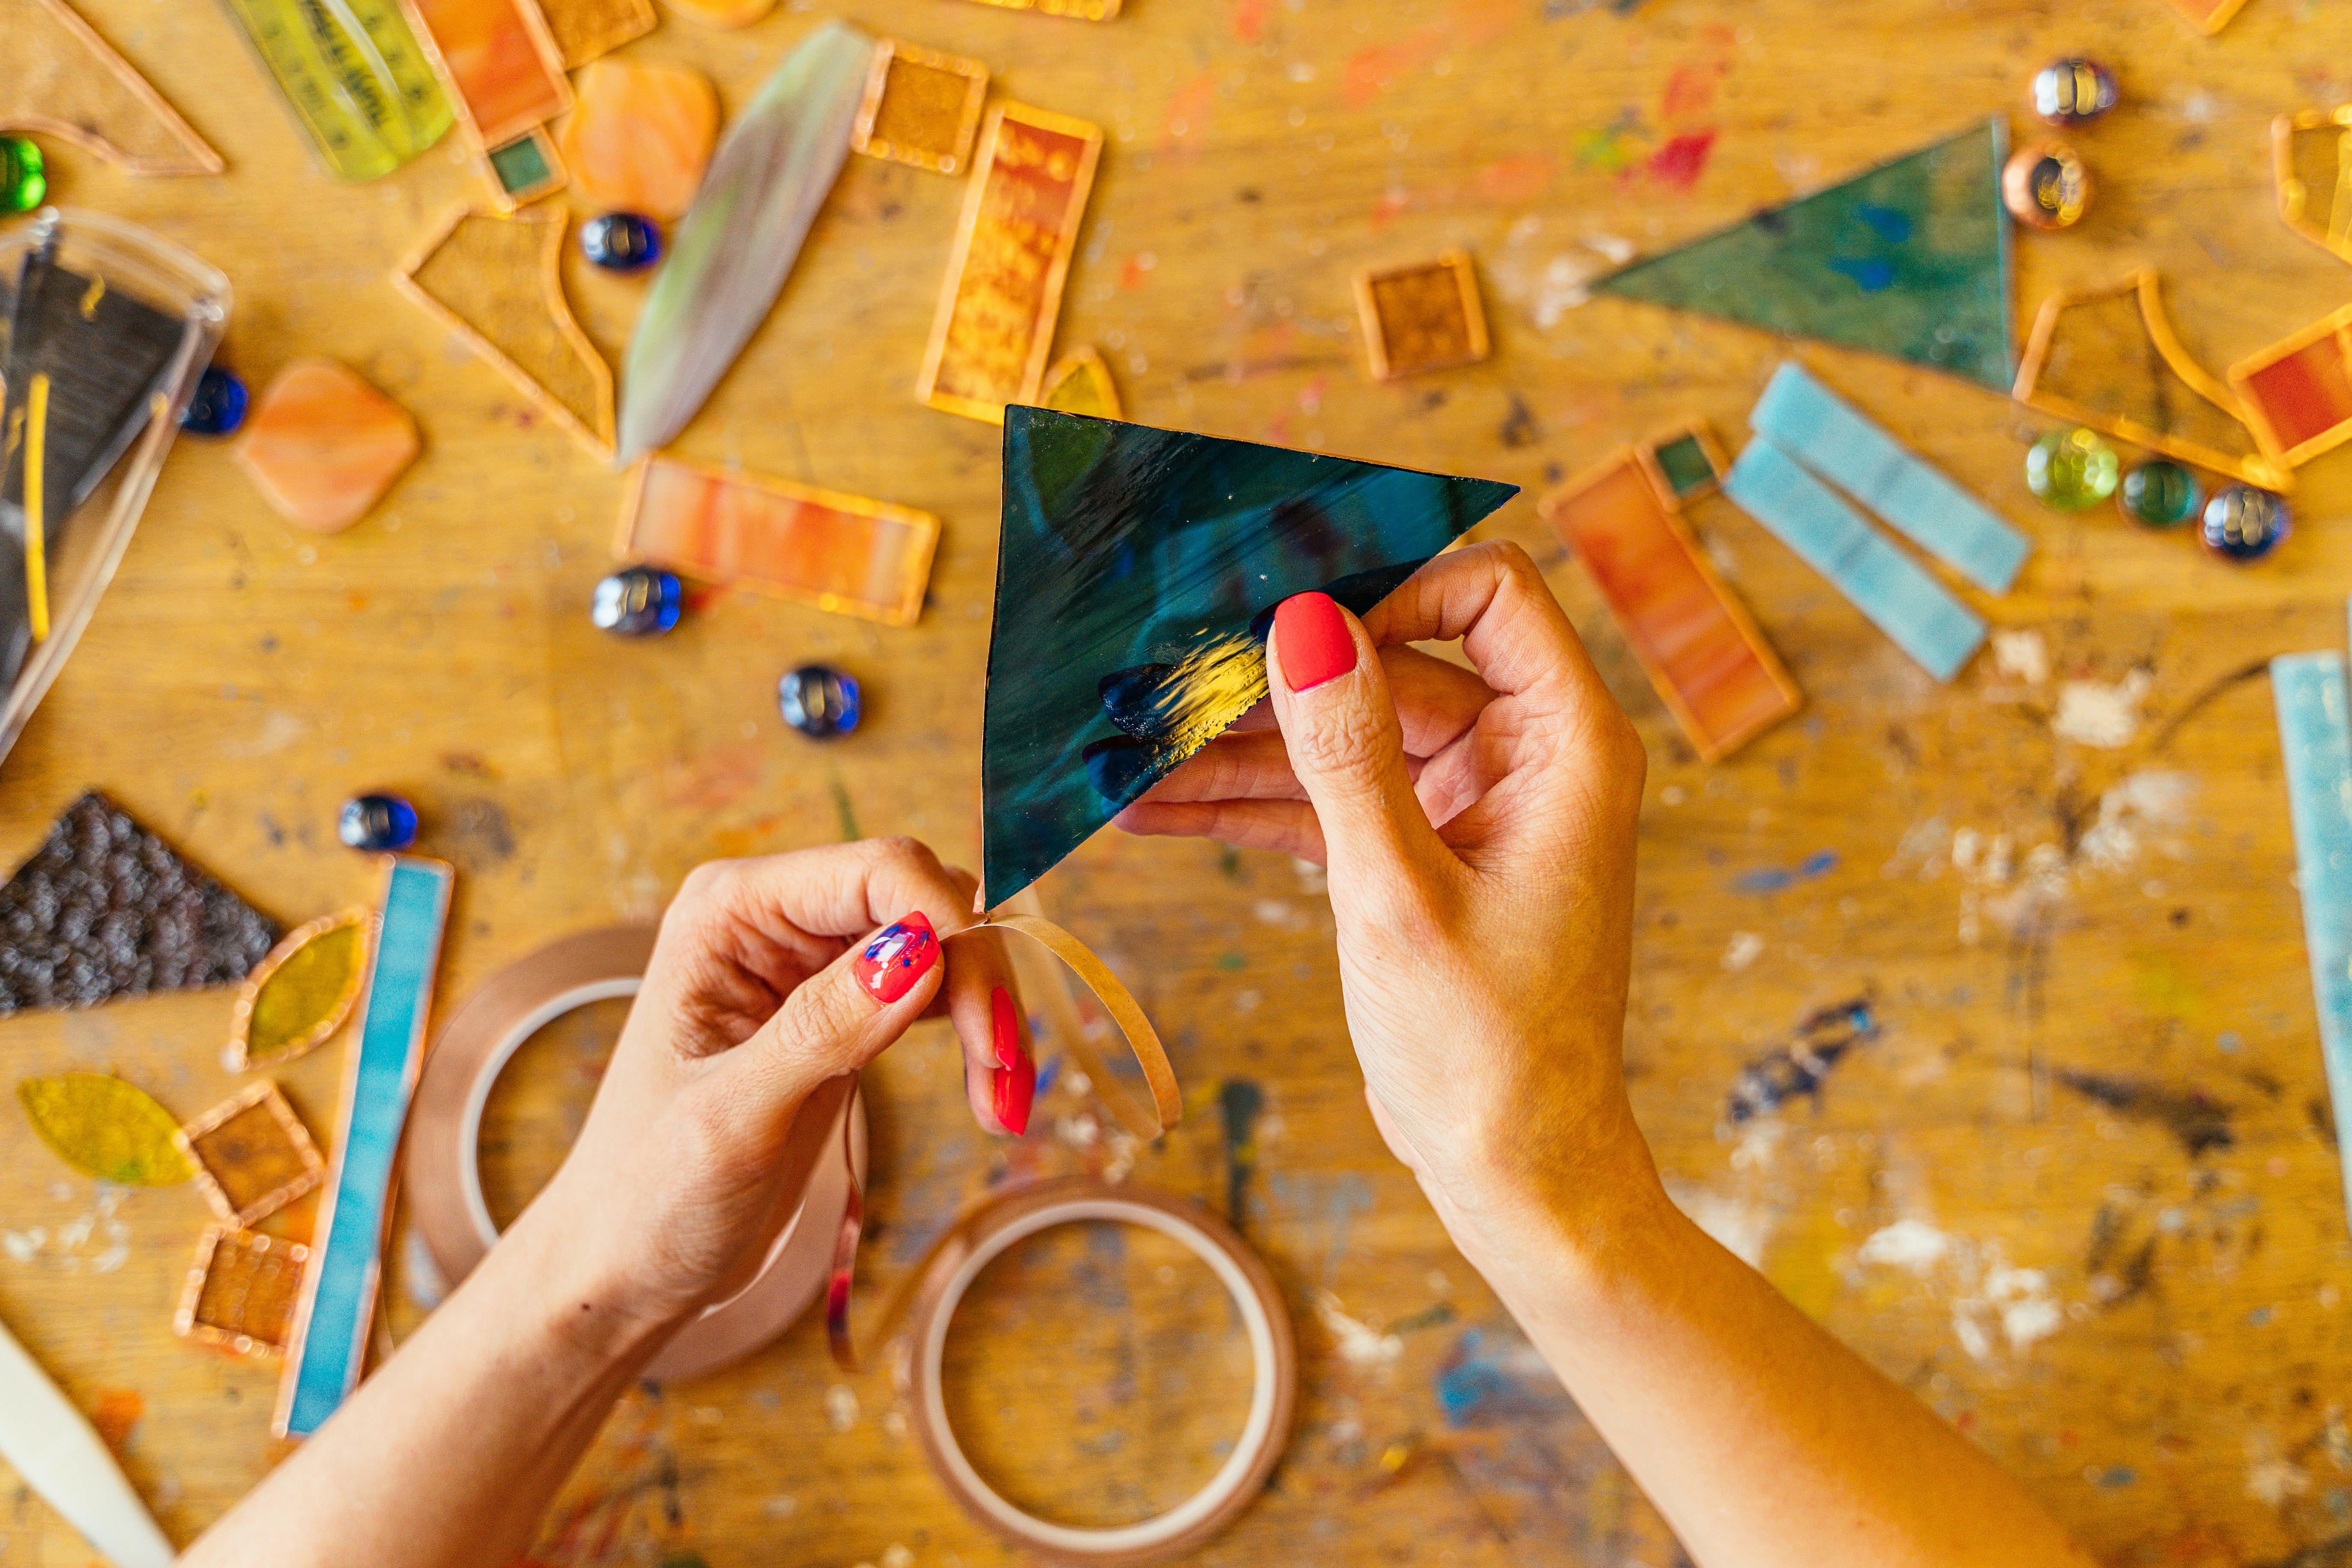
(1912, 1244)
(2092, 713)
(2021, 656)
(840, 1406)
(1744, 949)
(1360, 1344)
(1743, 1228)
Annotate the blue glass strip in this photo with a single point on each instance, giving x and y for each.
(1837, 441)
(2316, 742)
(1922, 616)
(359, 1188)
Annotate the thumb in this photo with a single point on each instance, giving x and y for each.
(837, 1020)
(1339, 724)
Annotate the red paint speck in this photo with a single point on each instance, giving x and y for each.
(1249, 19)
(1680, 161)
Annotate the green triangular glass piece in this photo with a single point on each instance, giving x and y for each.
(1910, 259)
(1134, 581)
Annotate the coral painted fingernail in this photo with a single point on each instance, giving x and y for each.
(1010, 1091)
(900, 955)
(1003, 1027)
(1313, 635)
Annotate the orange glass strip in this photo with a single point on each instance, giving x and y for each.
(1710, 665)
(2298, 393)
(995, 324)
(836, 552)
(501, 63)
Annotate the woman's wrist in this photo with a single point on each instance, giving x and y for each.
(558, 1274)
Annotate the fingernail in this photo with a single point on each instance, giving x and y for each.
(898, 957)
(1010, 1089)
(1314, 640)
(1003, 1027)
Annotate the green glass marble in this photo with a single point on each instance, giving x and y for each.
(23, 181)
(2070, 469)
(2160, 494)
(1135, 578)
(1910, 259)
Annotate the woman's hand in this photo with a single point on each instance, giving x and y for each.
(771, 979)
(1479, 833)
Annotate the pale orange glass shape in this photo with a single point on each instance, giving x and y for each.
(995, 322)
(839, 552)
(502, 68)
(323, 445)
(1709, 664)
(640, 136)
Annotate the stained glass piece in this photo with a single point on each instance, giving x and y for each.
(360, 84)
(106, 909)
(641, 135)
(62, 80)
(1910, 259)
(106, 1128)
(323, 445)
(1710, 666)
(737, 243)
(1125, 547)
(840, 552)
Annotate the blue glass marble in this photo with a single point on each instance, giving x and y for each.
(2243, 523)
(218, 407)
(621, 242)
(641, 602)
(818, 700)
(377, 823)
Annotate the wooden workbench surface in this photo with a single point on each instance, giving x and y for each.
(2073, 1185)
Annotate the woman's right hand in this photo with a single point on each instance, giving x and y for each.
(1479, 834)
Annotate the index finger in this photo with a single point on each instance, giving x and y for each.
(1492, 598)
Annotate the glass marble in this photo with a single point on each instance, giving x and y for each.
(218, 407)
(818, 700)
(377, 823)
(641, 601)
(2243, 523)
(2070, 469)
(2160, 494)
(621, 242)
(2070, 91)
(24, 179)
(2046, 186)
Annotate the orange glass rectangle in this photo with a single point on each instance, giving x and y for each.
(837, 552)
(2298, 393)
(994, 330)
(501, 61)
(1711, 667)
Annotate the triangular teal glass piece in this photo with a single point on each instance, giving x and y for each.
(1137, 573)
(1911, 260)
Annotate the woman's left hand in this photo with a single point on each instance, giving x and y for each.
(770, 982)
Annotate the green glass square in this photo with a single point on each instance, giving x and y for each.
(1684, 463)
(520, 166)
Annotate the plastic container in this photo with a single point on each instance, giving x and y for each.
(137, 300)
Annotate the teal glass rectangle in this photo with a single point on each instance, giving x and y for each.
(390, 1049)
(1828, 436)
(1897, 594)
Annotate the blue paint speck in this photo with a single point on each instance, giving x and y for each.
(1775, 879)
(2116, 1475)
(1890, 224)
(1046, 1077)
(1870, 273)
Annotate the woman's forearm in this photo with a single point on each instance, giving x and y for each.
(1765, 1442)
(450, 1454)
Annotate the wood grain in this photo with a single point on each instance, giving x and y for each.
(2093, 1082)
